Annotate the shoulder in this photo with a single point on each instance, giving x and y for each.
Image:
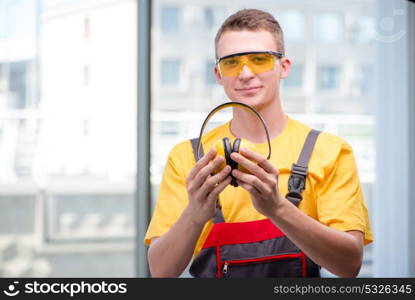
(324, 139)
(183, 147)
(328, 146)
(182, 152)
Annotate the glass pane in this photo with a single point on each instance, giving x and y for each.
(210, 78)
(209, 17)
(364, 30)
(327, 88)
(295, 78)
(14, 78)
(170, 19)
(328, 27)
(67, 137)
(328, 77)
(367, 79)
(170, 72)
(292, 22)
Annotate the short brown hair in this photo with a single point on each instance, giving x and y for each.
(253, 20)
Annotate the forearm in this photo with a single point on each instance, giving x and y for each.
(337, 251)
(170, 254)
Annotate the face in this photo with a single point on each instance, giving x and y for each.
(256, 90)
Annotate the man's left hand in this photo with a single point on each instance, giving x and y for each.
(262, 183)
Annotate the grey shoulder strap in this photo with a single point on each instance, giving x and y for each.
(194, 142)
(218, 218)
(299, 171)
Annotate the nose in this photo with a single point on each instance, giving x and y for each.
(246, 72)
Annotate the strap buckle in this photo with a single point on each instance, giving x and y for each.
(299, 170)
(296, 183)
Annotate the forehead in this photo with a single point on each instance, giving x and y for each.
(232, 42)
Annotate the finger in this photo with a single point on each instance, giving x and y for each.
(262, 161)
(213, 195)
(252, 167)
(202, 163)
(206, 171)
(251, 180)
(212, 181)
(249, 188)
(207, 168)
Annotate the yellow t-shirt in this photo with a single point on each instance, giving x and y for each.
(333, 194)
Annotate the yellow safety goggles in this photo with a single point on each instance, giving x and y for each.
(257, 62)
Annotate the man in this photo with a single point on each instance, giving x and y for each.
(331, 223)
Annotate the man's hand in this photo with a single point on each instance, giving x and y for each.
(169, 254)
(203, 188)
(262, 183)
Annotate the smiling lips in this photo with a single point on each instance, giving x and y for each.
(248, 89)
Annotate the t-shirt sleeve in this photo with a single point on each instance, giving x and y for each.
(171, 199)
(340, 201)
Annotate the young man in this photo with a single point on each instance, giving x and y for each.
(331, 223)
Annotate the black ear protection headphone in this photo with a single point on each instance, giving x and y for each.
(225, 147)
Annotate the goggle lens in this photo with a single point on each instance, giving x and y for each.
(256, 62)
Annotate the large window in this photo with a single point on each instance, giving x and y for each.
(67, 137)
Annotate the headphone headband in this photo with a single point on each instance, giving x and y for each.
(225, 105)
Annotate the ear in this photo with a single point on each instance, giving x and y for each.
(285, 67)
(217, 75)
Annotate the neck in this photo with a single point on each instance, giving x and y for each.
(245, 124)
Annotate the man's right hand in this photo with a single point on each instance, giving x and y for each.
(203, 188)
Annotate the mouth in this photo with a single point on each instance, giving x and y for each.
(248, 89)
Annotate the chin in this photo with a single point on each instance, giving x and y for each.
(254, 102)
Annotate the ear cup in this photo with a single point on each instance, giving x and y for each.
(227, 146)
(244, 144)
(236, 145)
(235, 148)
(220, 151)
